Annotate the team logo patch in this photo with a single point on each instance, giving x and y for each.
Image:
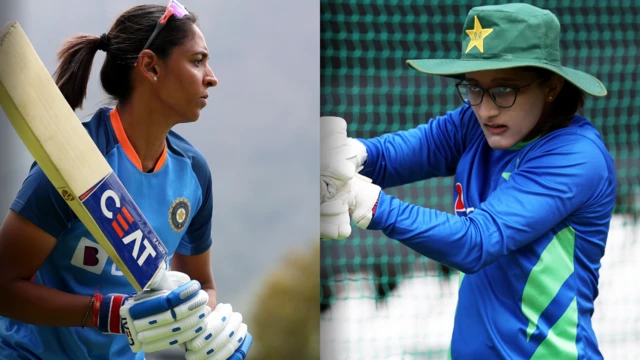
(179, 214)
(459, 205)
(477, 36)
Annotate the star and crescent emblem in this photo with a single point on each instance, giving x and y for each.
(477, 36)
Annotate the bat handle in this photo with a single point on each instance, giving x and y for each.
(162, 282)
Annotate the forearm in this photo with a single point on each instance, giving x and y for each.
(41, 305)
(429, 150)
(387, 158)
(405, 157)
(449, 239)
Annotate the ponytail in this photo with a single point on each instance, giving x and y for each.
(72, 75)
(123, 44)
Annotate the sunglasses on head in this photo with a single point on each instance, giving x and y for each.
(173, 9)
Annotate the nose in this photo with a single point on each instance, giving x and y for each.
(210, 79)
(487, 108)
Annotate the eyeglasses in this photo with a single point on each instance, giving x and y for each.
(174, 8)
(502, 96)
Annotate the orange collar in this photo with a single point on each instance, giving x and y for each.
(126, 145)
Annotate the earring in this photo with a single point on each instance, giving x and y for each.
(550, 98)
(156, 79)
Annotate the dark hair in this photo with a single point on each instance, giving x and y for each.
(568, 102)
(123, 43)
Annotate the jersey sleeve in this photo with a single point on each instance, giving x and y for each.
(568, 177)
(39, 202)
(427, 151)
(197, 238)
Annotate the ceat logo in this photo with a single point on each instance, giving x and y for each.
(459, 207)
(137, 237)
(124, 326)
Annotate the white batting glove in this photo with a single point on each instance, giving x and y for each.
(364, 197)
(157, 319)
(340, 157)
(223, 334)
(335, 223)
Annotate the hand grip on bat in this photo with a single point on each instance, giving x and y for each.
(179, 295)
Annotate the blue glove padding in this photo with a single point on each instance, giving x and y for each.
(157, 319)
(179, 295)
(243, 350)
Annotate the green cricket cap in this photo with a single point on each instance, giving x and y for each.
(508, 36)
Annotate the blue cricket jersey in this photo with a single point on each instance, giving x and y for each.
(176, 200)
(530, 229)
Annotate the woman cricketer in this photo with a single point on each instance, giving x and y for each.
(534, 189)
(62, 297)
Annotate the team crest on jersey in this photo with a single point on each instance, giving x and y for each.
(459, 205)
(179, 214)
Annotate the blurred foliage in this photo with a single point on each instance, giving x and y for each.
(286, 323)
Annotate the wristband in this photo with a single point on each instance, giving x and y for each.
(375, 207)
(106, 313)
(86, 314)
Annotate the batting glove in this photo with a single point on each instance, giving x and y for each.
(334, 218)
(364, 200)
(340, 157)
(225, 337)
(155, 319)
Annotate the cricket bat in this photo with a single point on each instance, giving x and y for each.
(70, 159)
